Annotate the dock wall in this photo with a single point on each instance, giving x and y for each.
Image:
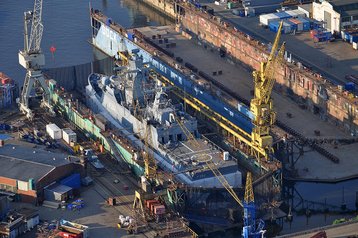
(165, 7)
(308, 88)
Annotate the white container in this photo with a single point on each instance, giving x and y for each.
(265, 19)
(226, 155)
(54, 131)
(69, 135)
(355, 45)
(286, 28)
(296, 13)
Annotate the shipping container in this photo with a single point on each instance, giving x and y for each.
(69, 135)
(282, 15)
(293, 22)
(274, 25)
(148, 202)
(66, 234)
(289, 26)
(265, 19)
(101, 122)
(152, 205)
(350, 86)
(295, 13)
(355, 45)
(353, 38)
(159, 209)
(54, 131)
(298, 23)
(305, 23)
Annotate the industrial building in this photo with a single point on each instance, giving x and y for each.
(336, 14)
(26, 171)
(19, 222)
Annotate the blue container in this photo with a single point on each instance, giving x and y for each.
(130, 36)
(349, 86)
(346, 36)
(108, 21)
(72, 181)
(353, 38)
(306, 24)
(283, 15)
(274, 25)
(293, 26)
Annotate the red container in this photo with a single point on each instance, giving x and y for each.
(159, 209)
(4, 79)
(148, 202)
(313, 33)
(153, 205)
(65, 234)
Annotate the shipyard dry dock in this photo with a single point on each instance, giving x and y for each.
(170, 48)
(238, 79)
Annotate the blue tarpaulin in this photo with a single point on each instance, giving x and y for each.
(4, 137)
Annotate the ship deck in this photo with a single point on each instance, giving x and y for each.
(194, 154)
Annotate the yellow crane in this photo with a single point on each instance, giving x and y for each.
(150, 167)
(261, 105)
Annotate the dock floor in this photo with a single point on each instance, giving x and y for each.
(340, 230)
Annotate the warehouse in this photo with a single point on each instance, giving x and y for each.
(26, 176)
(336, 14)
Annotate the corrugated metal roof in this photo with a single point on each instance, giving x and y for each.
(59, 188)
(22, 162)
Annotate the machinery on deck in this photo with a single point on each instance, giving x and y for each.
(32, 59)
(261, 105)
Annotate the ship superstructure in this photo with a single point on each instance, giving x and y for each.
(137, 103)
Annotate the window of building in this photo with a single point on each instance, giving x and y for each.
(8, 188)
(346, 19)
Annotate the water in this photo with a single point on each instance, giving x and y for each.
(67, 27)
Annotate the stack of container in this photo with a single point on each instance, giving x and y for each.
(265, 19)
(282, 15)
(295, 13)
(306, 24)
(351, 36)
(293, 20)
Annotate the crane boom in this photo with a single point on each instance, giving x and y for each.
(36, 28)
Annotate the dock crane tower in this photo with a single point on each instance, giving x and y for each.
(261, 105)
(32, 59)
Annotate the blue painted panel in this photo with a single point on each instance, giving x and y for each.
(72, 181)
(109, 41)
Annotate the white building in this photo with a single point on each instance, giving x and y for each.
(336, 14)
